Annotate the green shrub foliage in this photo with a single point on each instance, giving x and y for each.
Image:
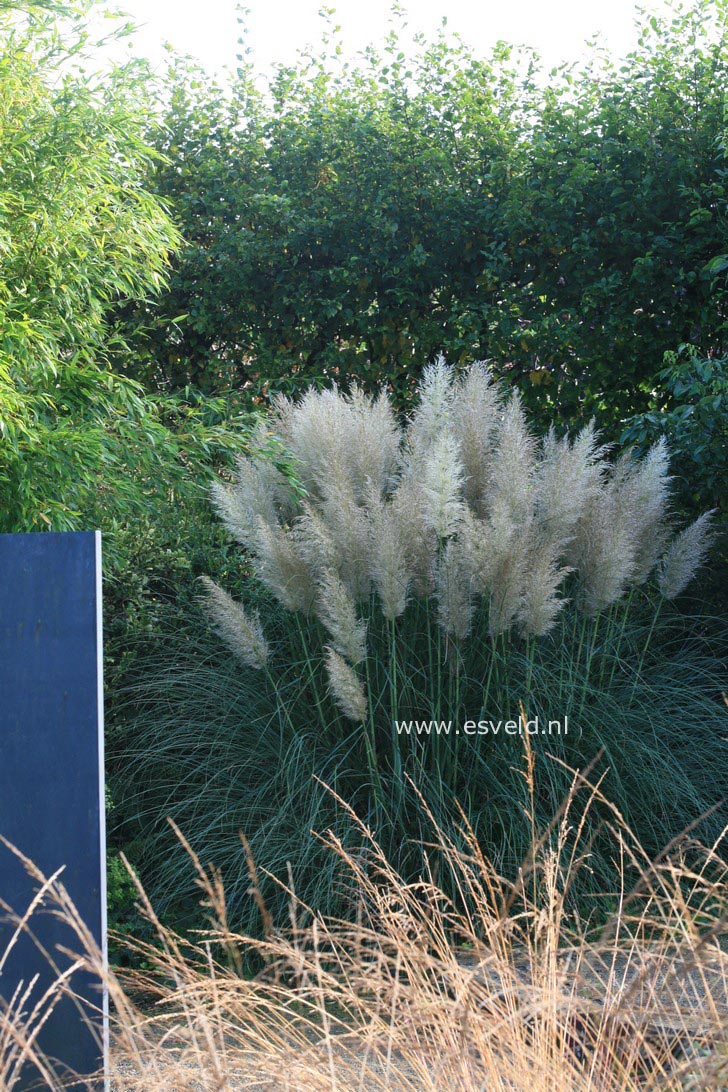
(358, 218)
(690, 409)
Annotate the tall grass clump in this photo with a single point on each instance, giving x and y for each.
(414, 583)
(505, 987)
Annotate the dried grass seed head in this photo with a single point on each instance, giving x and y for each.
(283, 570)
(604, 547)
(569, 474)
(455, 606)
(512, 480)
(645, 488)
(432, 417)
(540, 602)
(388, 565)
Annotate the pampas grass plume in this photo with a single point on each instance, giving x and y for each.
(541, 605)
(241, 505)
(569, 474)
(514, 464)
(511, 555)
(282, 568)
(346, 686)
(474, 420)
(337, 611)
(442, 487)
(385, 501)
(351, 440)
(348, 526)
(603, 552)
(241, 630)
(685, 554)
(432, 416)
(455, 605)
(388, 558)
(645, 489)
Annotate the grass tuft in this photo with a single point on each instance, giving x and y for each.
(504, 986)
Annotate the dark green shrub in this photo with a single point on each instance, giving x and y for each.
(689, 409)
(357, 219)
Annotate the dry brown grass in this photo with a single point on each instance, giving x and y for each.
(507, 990)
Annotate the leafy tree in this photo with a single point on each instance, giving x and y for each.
(620, 213)
(335, 221)
(353, 218)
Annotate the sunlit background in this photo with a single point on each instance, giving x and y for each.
(277, 29)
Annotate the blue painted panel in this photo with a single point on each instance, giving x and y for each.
(51, 793)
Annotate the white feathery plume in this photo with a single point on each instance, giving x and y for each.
(442, 482)
(263, 446)
(260, 490)
(346, 687)
(388, 557)
(514, 464)
(349, 440)
(604, 547)
(348, 529)
(432, 416)
(376, 439)
(685, 554)
(645, 489)
(540, 604)
(314, 542)
(282, 409)
(477, 552)
(419, 540)
(239, 521)
(474, 419)
(454, 598)
(282, 569)
(337, 611)
(511, 549)
(241, 630)
(568, 475)
(315, 430)
(241, 505)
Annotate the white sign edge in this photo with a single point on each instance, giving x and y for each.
(102, 804)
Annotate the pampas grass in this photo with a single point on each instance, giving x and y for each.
(442, 483)
(501, 986)
(337, 611)
(427, 571)
(240, 629)
(684, 556)
(346, 687)
(466, 460)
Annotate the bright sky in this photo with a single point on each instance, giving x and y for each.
(278, 28)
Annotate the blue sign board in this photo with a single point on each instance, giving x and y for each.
(51, 780)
